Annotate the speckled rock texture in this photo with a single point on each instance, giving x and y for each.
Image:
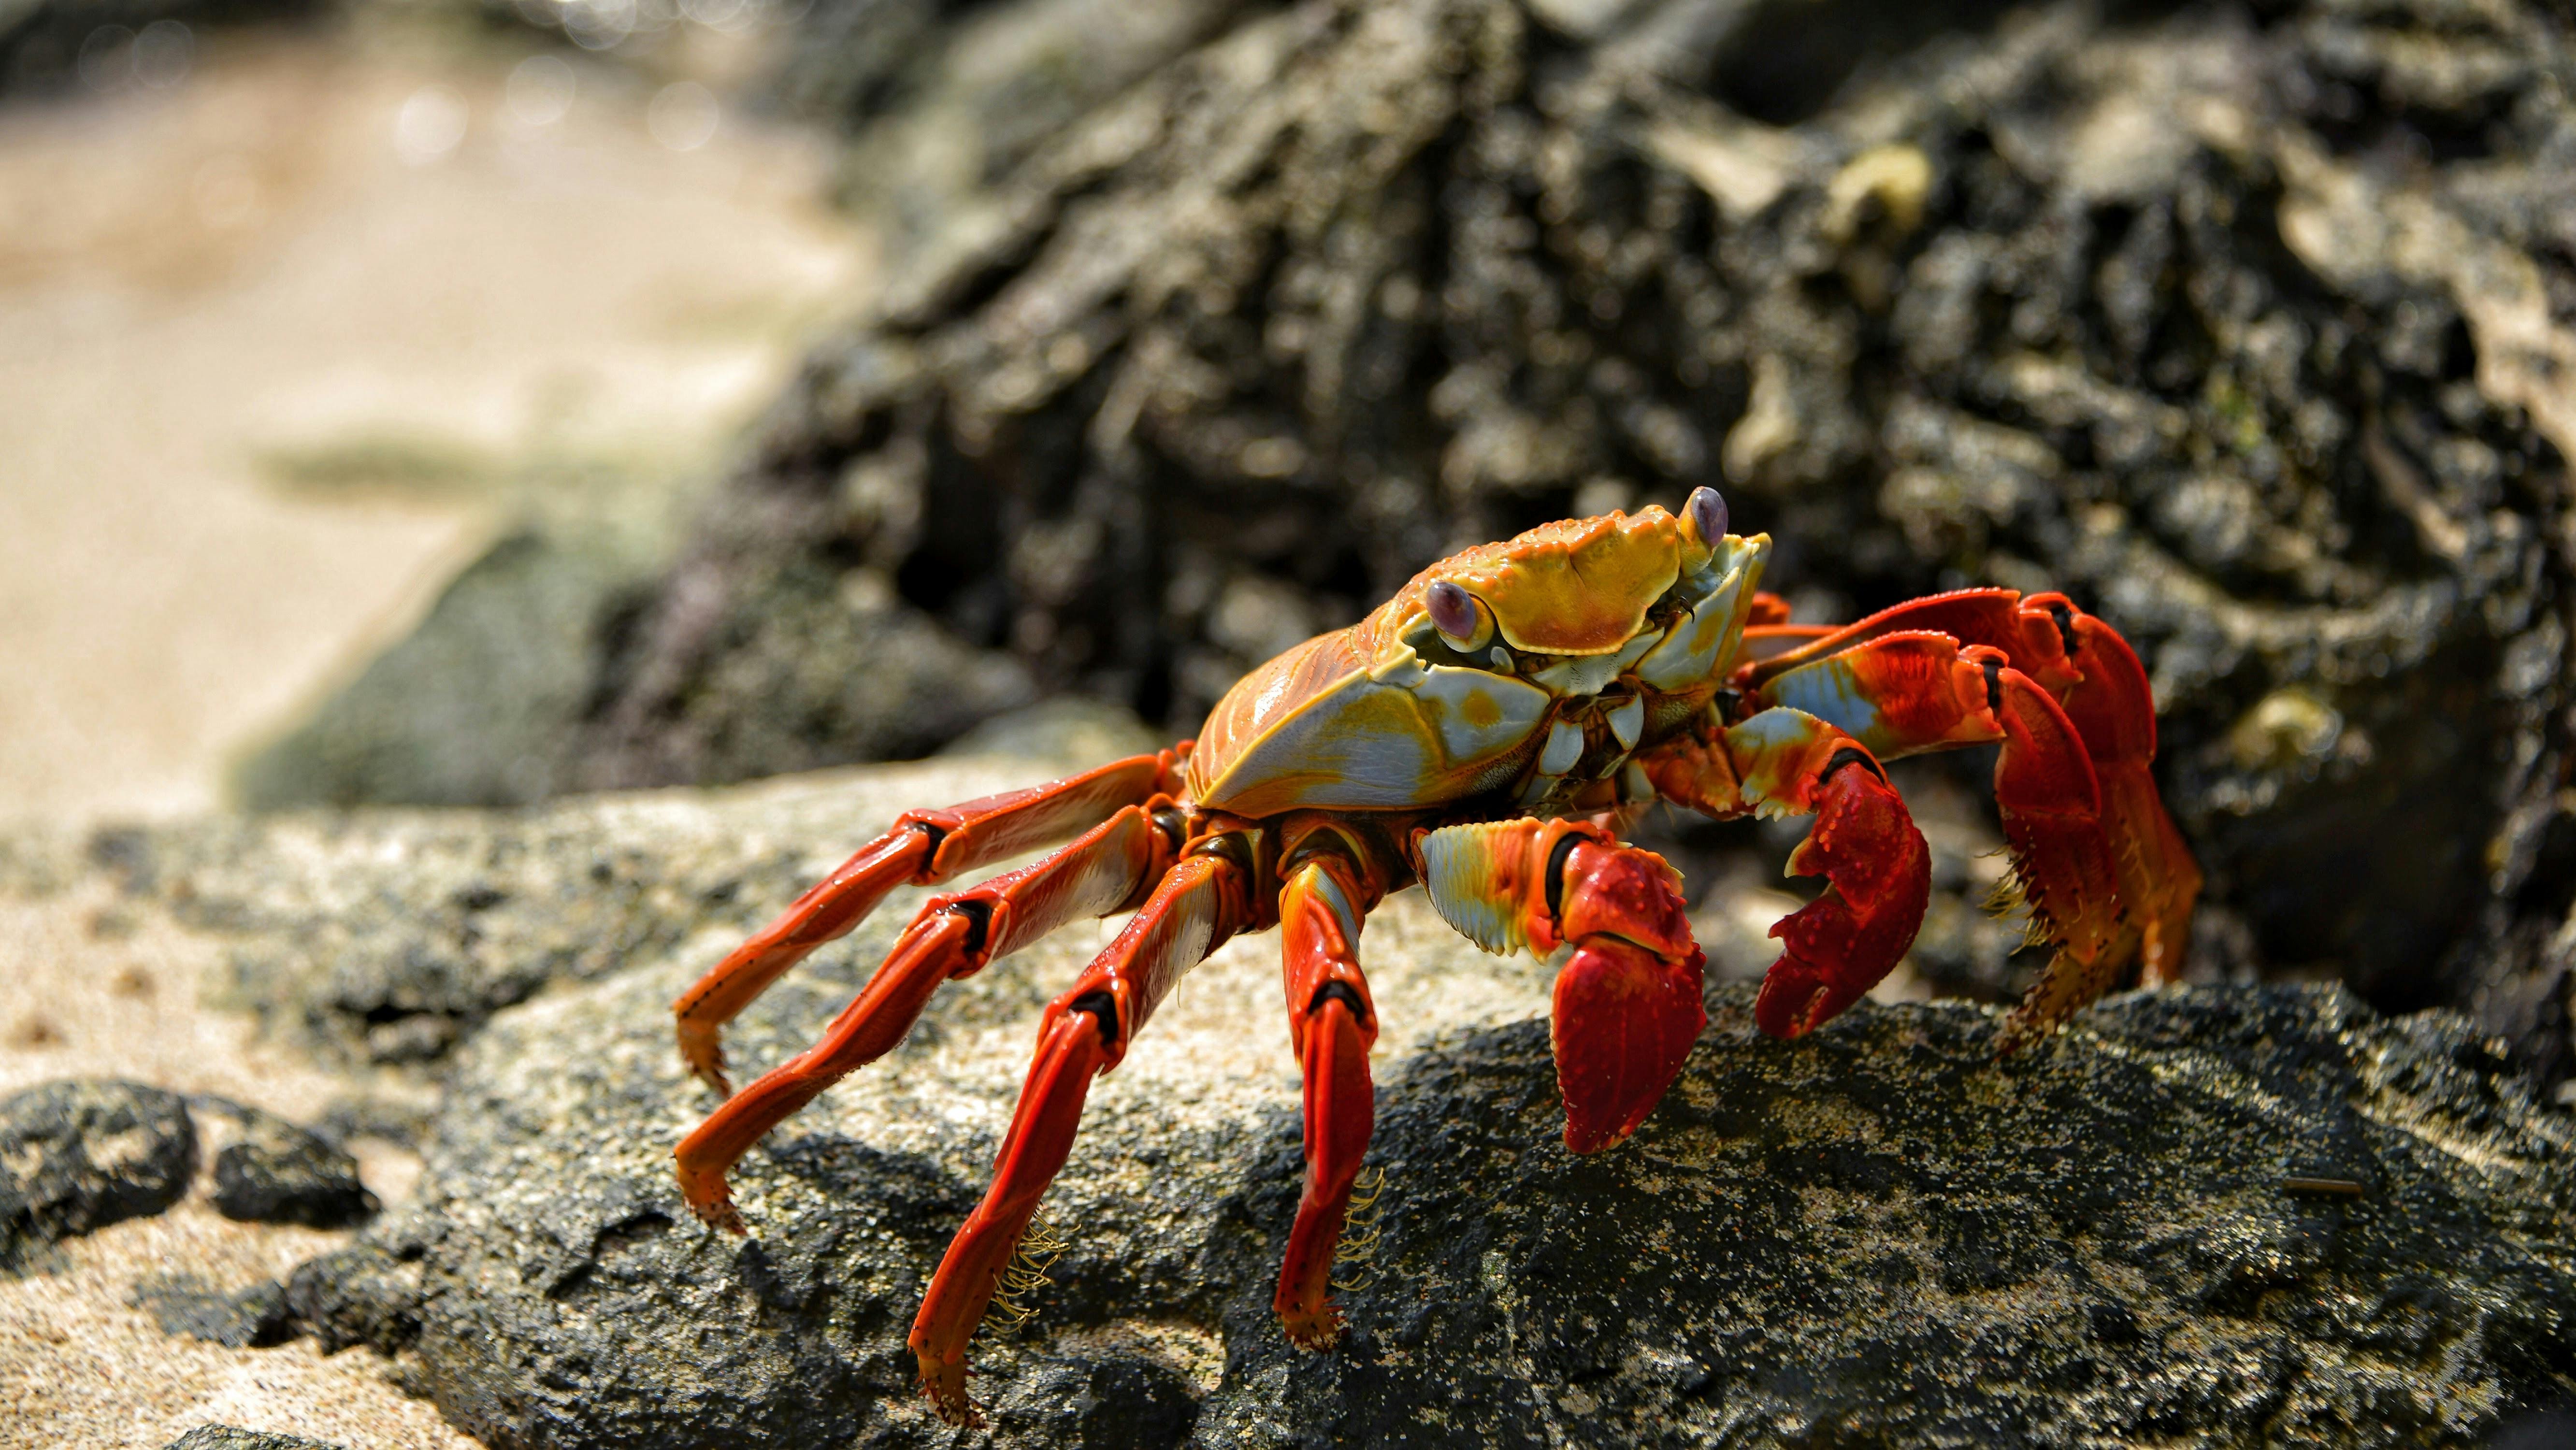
(78, 1156)
(268, 1170)
(227, 1437)
(2246, 322)
(1879, 1235)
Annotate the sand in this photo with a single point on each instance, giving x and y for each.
(258, 367)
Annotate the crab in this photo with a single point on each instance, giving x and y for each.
(1488, 734)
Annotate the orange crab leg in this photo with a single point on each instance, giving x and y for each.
(922, 849)
(1627, 1002)
(954, 936)
(1878, 871)
(1199, 903)
(1332, 1022)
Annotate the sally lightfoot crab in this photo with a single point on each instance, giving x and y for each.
(1487, 734)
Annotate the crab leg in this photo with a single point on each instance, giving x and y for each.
(954, 936)
(1194, 908)
(1627, 1002)
(922, 849)
(2113, 711)
(1332, 1022)
(1878, 872)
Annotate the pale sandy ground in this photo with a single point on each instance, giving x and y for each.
(195, 282)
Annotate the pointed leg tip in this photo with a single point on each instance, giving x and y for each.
(713, 1206)
(945, 1387)
(1586, 1141)
(1314, 1333)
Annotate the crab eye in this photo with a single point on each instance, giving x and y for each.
(1707, 510)
(1461, 617)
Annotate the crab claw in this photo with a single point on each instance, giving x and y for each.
(1838, 946)
(1625, 1020)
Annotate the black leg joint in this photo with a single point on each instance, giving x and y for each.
(2065, 616)
(1849, 755)
(1994, 685)
(1104, 1007)
(1556, 860)
(1344, 993)
(979, 923)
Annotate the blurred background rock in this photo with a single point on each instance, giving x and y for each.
(1205, 325)
(449, 403)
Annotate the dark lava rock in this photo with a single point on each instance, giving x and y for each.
(2196, 1213)
(2244, 322)
(389, 937)
(227, 1437)
(252, 1318)
(78, 1156)
(271, 1171)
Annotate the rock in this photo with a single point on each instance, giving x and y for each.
(227, 1437)
(111, 44)
(78, 1156)
(2149, 306)
(389, 937)
(2196, 1210)
(359, 1295)
(252, 1318)
(271, 1171)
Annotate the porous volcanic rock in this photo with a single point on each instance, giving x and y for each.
(2243, 322)
(268, 1170)
(231, 1437)
(77, 1156)
(1878, 1234)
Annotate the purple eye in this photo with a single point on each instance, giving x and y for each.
(1707, 510)
(1456, 614)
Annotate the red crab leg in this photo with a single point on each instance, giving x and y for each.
(922, 849)
(2114, 711)
(954, 936)
(1196, 906)
(1901, 693)
(1332, 1022)
(1878, 872)
(1627, 1002)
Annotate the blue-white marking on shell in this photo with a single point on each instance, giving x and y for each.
(1689, 652)
(1827, 691)
(1451, 691)
(1591, 674)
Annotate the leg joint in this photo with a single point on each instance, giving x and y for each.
(1344, 993)
(1104, 1009)
(1849, 755)
(1555, 876)
(978, 913)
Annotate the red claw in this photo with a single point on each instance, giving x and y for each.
(1624, 1023)
(1840, 945)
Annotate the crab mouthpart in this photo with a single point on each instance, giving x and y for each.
(1624, 1023)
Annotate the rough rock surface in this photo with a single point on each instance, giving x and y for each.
(387, 937)
(268, 1170)
(2244, 322)
(78, 1156)
(257, 1317)
(1881, 1232)
(227, 1437)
